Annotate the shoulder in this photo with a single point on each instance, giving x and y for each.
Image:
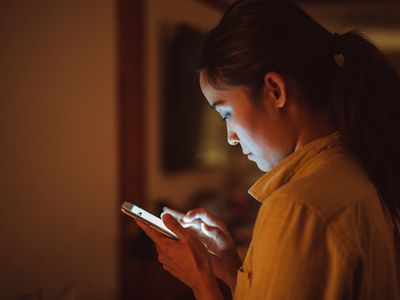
(329, 198)
(330, 186)
(324, 221)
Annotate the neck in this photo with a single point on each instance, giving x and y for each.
(314, 125)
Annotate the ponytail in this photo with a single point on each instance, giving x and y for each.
(255, 37)
(367, 104)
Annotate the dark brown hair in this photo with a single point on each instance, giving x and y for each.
(257, 36)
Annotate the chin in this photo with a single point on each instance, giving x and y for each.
(263, 166)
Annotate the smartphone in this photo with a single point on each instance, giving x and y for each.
(149, 219)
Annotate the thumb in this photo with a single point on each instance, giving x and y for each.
(174, 226)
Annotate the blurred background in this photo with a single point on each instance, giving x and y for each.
(99, 104)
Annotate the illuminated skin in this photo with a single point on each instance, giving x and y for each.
(212, 232)
(263, 135)
(186, 259)
(279, 128)
(282, 125)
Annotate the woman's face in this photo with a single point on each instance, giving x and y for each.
(264, 135)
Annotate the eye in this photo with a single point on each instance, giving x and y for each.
(226, 116)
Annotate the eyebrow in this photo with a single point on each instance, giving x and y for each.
(217, 103)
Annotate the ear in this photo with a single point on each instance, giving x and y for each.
(276, 89)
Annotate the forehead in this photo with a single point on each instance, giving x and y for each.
(208, 90)
(219, 97)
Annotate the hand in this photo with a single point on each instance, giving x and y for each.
(213, 233)
(187, 259)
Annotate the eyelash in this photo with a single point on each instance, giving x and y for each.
(226, 117)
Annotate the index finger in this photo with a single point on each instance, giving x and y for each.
(205, 216)
(175, 213)
(177, 228)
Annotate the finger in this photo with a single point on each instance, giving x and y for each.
(175, 213)
(216, 239)
(212, 237)
(211, 231)
(205, 216)
(175, 227)
(174, 272)
(167, 264)
(161, 256)
(159, 250)
(194, 224)
(153, 234)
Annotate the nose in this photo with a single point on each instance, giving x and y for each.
(233, 139)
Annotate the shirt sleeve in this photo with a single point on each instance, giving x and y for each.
(297, 255)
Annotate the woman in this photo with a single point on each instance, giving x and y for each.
(326, 132)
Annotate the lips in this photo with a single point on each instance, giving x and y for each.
(248, 154)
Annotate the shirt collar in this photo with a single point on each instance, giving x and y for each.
(284, 170)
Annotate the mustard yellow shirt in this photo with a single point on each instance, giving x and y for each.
(321, 231)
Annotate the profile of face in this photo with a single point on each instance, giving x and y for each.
(265, 135)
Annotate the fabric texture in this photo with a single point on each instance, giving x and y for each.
(322, 231)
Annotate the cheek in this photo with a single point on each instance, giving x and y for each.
(264, 145)
(245, 138)
(251, 135)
